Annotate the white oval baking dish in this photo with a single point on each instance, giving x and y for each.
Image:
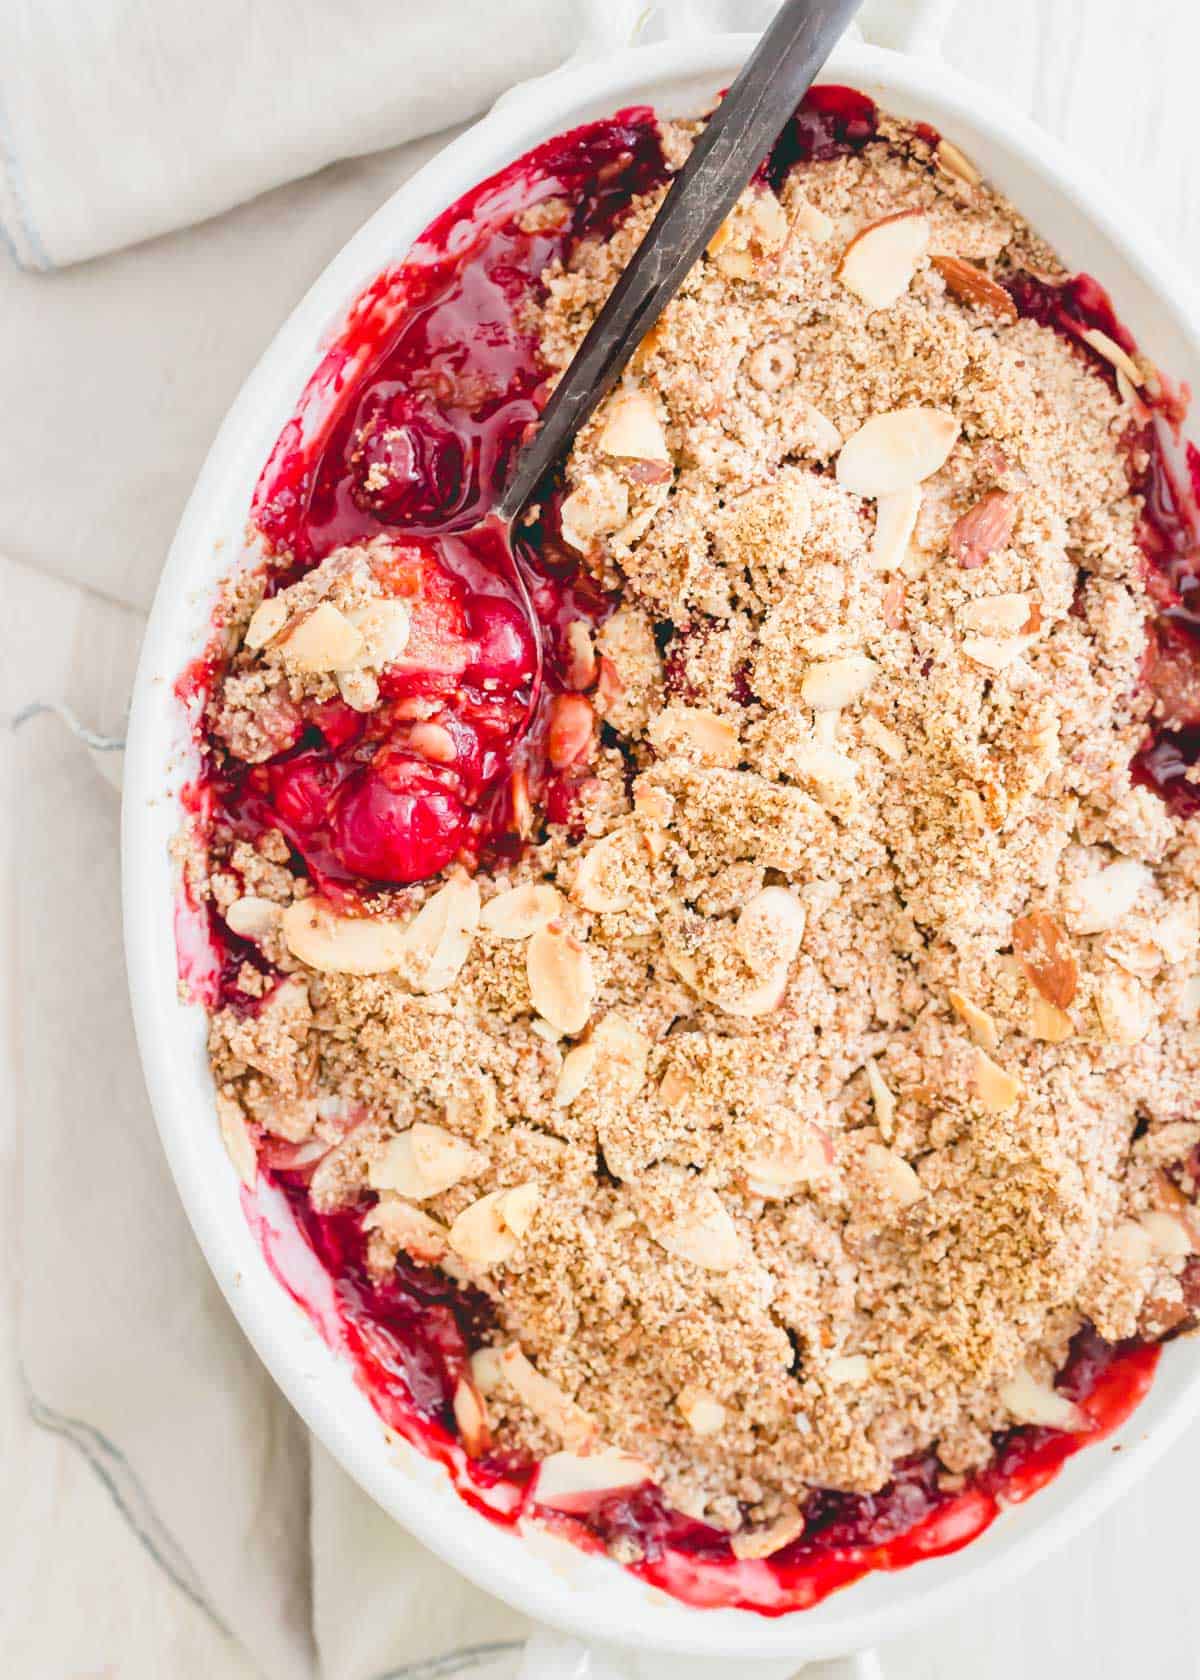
(548, 1579)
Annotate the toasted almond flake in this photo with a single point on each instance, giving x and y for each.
(594, 509)
(441, 932)
(894, 451)
(1168, 1234)
(1046, 958)
(702, 1412)
(562, 985)
(623, 1053)
(570, 731)
(849, 1370)
(969, 283)
(704, 1234)
(830, 772)
(574, 1076)
(886, 740)
(952, 161)
(1031, 1401)
(978, 1022)
(487, 1369)
(825, 438)
(772, 921)
(1100, 901)
(891, 1176)
(895, 521)
(996, 1090)
(323, 640)
(881, 259)
(761, 999)
(267, 622)
(608, 872)
(235, 1135)
(581, 655)
(253, 918)
(811, 221)
(1129, 1245)
(697, 733)
(470, 1414)
(315, 934)
(996, 653)
(882, 1099)
(630, 428)
(1048, 1022)
(549, 1403)
(434, 742)
(676, 1088)
(423, 1161)
(522, 805)
(984, 529)
(765, 1542)
(831, 684)
(1124, 1008)
(358, 689)
(521, 911)
(806, 1160)
(1112, 352)
(483, 1236)
(996, 615)
(652, 803)
(384, 626)
(571, 1482)
(1177, 932)
(408, 1228)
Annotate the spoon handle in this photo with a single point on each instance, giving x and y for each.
(733, 143)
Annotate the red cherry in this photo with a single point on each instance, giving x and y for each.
(402, 828)
(302, 788)
(340, 724)
(505, 652)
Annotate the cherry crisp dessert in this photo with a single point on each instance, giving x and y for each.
(732, 1044)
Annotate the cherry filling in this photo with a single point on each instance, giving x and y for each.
(406, 432)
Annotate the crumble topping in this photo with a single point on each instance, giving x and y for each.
(796, 1109)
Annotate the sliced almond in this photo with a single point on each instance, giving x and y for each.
(697, 733)
(470, 1414)
(1124, 1007)
(253, 918)
(315, 934)
(1100, 901)
(1169, 1236)
(830, 773)
(571, 731)
(1114, 353)
(521, 911)
(384, 626)
(881, 259)
(407, 1228)
(886, 740)
(765, 1542)
(1048, 1022)
(623, 1053)
(778, 1175)
(763, 998)
(609, 873)
(1129, 1245)
(235, 1135)
(770, 927)
(562, 984)
(972, 284)
(996, 615)
(811, 221)
(631, 428)
(849, 1370)
(977, 1021)
(882, 1099)
(268, 621)
(574, 1076)
(702, 1412)
(890, 1176)
(894, 451)
(1031, 1401)
(440, 934)
(996, 653)
(549, 1403)
(951, 160)
(483, 1235)
(323, 640)
(360, 690)
(595, 508)
(996, 1090)
(831, 684)
(572, 1482)
(423, 1161)
(704, 1234)
(1046, 958)
(581, 654)
(895, 522)
(984, 529)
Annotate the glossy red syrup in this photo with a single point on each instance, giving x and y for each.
(406, 430)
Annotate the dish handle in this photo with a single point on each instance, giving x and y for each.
(554, 1656)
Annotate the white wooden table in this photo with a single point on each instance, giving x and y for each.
(113, 377)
